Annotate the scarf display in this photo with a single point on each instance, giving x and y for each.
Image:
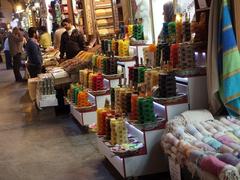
(207, 147)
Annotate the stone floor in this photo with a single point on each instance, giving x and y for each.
(38, 145)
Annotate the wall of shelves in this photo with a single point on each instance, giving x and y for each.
(104, 17)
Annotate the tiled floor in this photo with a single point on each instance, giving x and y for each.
(38, 145)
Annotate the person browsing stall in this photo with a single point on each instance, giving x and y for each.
(72, 40)
(45, 38)
(15, 40)
(34, 53)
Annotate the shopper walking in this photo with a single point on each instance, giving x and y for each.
(7, 53)
(57, 36)
(15, 40)
(72, 40)
(34, 53)
(45, 38)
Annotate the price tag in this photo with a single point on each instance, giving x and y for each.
(175, 170)
(202, 4)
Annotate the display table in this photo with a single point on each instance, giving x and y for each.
(85, 116)
(150, 161)
(46, 100)
(170, 110)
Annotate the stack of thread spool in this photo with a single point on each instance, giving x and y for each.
(108, 125)
(117, 99)
(112, 95)
(123, 48)
(167, 85)
(138, 32)
(76, 90)
(118, 131)
(186, 31)
(147, 81)
(71, 91)
(174, 55)
(179, 31)
(141, 72)
(186, 56)
(172, 32)
(104, 46)
(97, 82)
(165, 32)
(101, 121)
(134, 108)
(145, 110)
(151, 79)
(83, 99)
(165, 53)
(158, 55)
(130, 30)
(110, 66)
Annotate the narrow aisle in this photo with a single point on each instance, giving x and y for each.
(39, 145)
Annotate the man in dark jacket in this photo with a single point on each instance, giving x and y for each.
(34, 53)
(72, 40)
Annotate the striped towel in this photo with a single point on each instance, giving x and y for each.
(228, 63)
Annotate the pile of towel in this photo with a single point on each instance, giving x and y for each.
(208, 147)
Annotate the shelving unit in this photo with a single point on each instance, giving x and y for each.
(150, 161)
(104, 17)
(122, 11)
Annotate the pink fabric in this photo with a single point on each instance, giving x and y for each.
(212, 165)
(225, 140)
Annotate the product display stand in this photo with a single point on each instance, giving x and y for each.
(113, 80)
(196, 89)
(149, 162)
(170, 110)
(85, 116)
(46, 100)
(125, 65)
(100, 98)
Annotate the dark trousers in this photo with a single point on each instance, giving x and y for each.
(34, 70)
(8, 59)
(16, 67)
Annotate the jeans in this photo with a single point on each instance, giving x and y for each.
(16, 67)
(8, 59)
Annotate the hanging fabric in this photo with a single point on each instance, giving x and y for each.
(228, 63)
(212, 66)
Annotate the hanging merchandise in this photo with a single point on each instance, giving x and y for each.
(58, 13)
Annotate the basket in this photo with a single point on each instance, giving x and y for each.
(113, 76)
(100, 92)
(159, 124)
(181, 97)
(125, 58)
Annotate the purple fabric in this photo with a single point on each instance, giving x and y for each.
(212, 165)
(229, 159)
(225, 140)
